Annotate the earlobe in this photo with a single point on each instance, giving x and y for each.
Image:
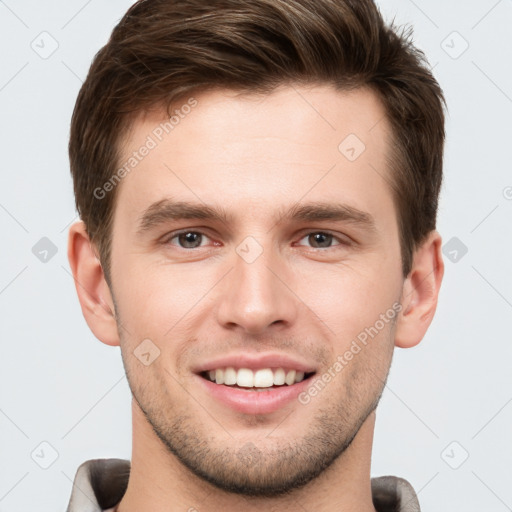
(92, 289)
(420, 292)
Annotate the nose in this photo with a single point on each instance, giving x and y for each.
(257, 295)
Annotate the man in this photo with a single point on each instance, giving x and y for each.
(258, 186)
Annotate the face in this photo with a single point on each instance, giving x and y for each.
(254, 247)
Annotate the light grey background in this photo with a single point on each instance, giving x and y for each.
(447, 398)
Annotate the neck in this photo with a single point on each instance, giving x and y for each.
(160, 483)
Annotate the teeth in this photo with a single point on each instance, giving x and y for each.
(279, 377)
(246, 378)
(230, 376)
(264, 378)
(290, 377)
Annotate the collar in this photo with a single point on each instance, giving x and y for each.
(100, 484)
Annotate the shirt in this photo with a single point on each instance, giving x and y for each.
(100, 484)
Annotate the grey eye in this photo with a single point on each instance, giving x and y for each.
(190, 239)
(320, 240)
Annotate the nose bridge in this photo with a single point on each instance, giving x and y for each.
(255, 295)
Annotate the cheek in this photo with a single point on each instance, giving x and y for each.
(345, 299)
(157, 296)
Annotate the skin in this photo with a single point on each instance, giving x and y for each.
(256, 157)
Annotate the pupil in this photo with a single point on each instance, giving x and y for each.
(189, 240)
(322, 239)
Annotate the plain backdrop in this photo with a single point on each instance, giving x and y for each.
(444, 422)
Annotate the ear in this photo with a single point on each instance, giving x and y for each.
(92, 288)
(420, 292)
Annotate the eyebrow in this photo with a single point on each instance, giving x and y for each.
(168, 210)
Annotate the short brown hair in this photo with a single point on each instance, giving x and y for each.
(163, 49)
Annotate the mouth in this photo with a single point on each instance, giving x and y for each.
(253, 389)
(262, 379)
(254, 383)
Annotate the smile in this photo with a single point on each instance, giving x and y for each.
(259, 379)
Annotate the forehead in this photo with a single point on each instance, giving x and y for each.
(256, 149)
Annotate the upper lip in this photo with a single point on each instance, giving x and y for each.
(255, 362)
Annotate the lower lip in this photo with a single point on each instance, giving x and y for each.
(254, 402)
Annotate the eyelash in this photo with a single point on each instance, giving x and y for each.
(341, 241)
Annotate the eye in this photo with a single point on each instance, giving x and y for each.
(322, 240)
(187, 239)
